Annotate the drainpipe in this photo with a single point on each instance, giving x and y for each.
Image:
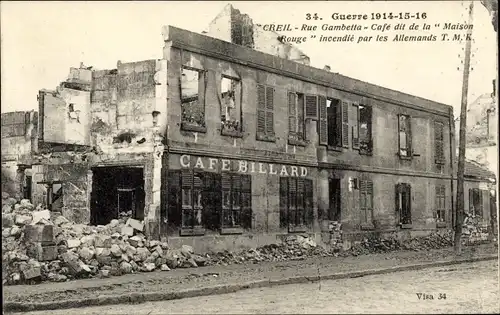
(452, 162)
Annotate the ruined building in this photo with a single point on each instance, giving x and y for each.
(218, 145)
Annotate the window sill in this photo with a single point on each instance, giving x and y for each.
(337, 149)
(440, 224)
(403, 157)
(297, 229)
(265, 137)
(197, 231)
(405, 226)
(187, 126)
(231, 133)
(439, 162)
(367, 226)
(297, 142)
(226, 231)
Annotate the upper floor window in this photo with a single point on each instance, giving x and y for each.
(362, 131)
(334, 122)
(265, 113)
(439, 142)
(404, 133)
(231, 109)
(193, 99)
(296, 130)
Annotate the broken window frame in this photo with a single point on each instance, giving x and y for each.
(234, 125)
(50, 197)
(405, 151)
(265, 113)
(403, 193)
(296, 119)
(366, 203)
(193, 116)
(237, 190)
(364, 139)
(296, 210)
(440, 214)
(191, 209)
(439, 156)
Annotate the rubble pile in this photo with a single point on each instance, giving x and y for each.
(473, 231)
(293, 247)
(435, 240)
(38, 246)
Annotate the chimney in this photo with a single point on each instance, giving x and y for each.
(327, 68)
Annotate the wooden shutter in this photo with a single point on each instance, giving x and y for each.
(355, 128)
(345, 124)
(283, 202)
(174, 203)
(409, 136)
(308, 201)
(292, 113)
(261, 109)
(323, 121)
(439, 142)
(312, 106)
(471, 201)
(269, 110)
(246, 201)
(369, 200)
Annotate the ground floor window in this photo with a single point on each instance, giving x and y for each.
(366, 201)
(403, 203)
(475, 202)
(296, 203)
(198, 201)
(440, 203)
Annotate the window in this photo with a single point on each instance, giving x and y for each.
(366, 201)
(231, 111)
(54, 197)
(265, 113)
(405, 148)
(403, 204)
(439, 142)
(296, 130)
(193, 99)
(334, 121)
(296, 203)
(198, 201)
(475, 202)
(440, 204)
(362, 131)
(236, 201)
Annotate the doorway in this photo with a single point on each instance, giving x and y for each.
(117, 192)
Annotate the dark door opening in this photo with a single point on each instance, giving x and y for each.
(334, 193)
(27, 187)
(117, 192)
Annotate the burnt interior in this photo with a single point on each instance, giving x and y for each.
(117, 192)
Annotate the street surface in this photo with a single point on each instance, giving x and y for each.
(464, 288)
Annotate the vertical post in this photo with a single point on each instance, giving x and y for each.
(461, 144)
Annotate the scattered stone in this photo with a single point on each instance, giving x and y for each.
(127, 230)
(40, 215)
(104, 273)
(86, 254)
(149, 267)
(187, 250)
(60, 220)
(15, 231)
(22, 219)
(73, 243)
(135, 240)
(116, 251)
(8, 220)
(164, 267)
(125, 267)
(135, 224)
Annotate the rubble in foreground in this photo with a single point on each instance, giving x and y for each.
(38, 245)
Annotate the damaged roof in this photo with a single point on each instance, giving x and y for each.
(474, 169)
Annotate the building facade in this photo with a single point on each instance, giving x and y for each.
(221, 146)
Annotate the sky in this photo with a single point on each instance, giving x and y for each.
(40, 41)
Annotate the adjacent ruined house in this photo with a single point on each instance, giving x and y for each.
(219, 146)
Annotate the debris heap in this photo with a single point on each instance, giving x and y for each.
(39, 246)
(473, 231)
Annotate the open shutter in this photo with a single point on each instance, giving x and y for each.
(308, 196)
(283, 202)
(355, 128)
(261, 109)
(323, 121)
(408, 203)
(345, 124)
(269, 110)
(398, 203)
(369, 200)
(312, 106)
(409, 136)
(174, 198)
(483, 195)
(292, 113)
(471, 201)
(246, 201)
(438, 142)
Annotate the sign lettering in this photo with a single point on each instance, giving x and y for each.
(242, 166)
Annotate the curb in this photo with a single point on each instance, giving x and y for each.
(135, 298)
